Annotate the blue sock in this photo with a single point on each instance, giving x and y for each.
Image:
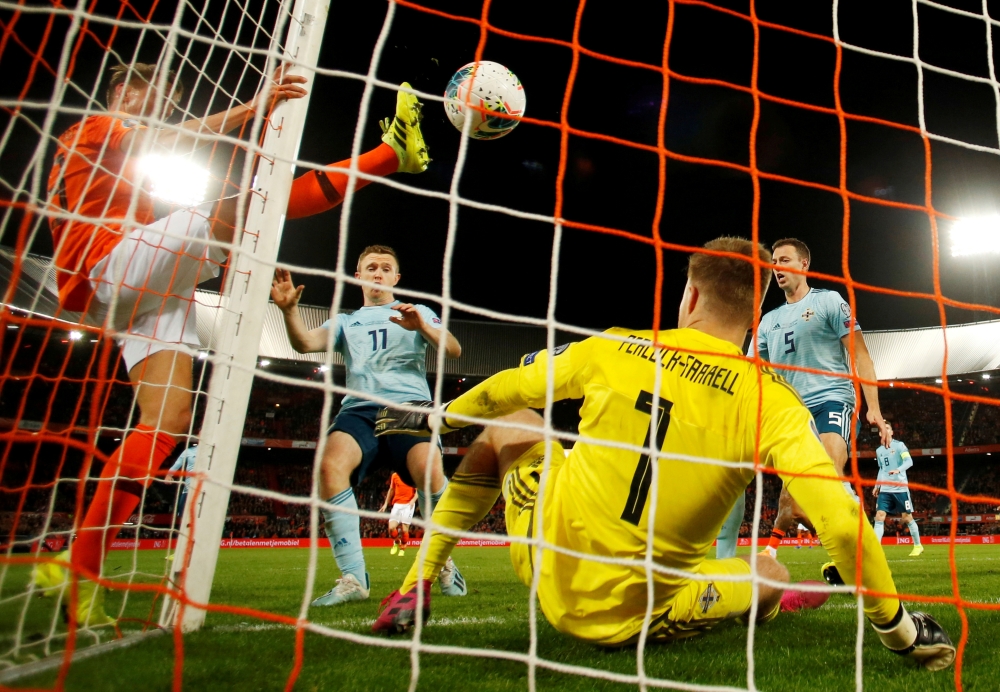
(729, 534)
(914, 531)
(344, 531)
(425, 510)
(879, 529)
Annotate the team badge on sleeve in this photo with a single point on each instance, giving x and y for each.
(846, 309)
(530, 358)
(709, 597)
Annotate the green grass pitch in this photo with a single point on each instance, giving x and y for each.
(811, 650)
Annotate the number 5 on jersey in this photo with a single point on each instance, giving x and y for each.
(639, 491)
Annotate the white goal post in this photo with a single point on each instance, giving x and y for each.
(247, 290)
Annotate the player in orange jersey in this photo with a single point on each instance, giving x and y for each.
(403, 499)
(124, 270)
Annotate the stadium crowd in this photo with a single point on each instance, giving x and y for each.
(282, 411)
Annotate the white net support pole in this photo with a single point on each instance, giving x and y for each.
(251, 271)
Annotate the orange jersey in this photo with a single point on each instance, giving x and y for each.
(402, 493)
(91, 177)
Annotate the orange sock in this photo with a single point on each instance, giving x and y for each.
(776, 536)
(316, 191)
(394, 533)
(143, 452)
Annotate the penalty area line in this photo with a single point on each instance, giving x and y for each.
(55, 660)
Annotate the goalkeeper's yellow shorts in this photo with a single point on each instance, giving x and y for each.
(694, 606)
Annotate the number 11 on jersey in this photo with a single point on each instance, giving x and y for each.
(374, 335)
(639, 491)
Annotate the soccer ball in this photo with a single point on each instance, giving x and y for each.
(495, 89)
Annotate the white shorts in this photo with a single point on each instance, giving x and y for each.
(402, 514)
(154, 276)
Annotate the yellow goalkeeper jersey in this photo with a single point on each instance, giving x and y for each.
(600, 501)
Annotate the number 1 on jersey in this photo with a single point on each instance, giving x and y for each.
(643, 476)
(374, 335)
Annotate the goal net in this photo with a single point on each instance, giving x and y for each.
(741, 130)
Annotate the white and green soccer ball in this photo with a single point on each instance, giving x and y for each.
(488, 86)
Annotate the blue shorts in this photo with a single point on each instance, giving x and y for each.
(835, 417)
(376, 452)
(894, 503)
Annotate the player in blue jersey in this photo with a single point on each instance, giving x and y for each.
(813, 330)
(892, 491)
(384, 346)
(183, 464)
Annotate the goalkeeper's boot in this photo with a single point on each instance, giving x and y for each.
(917, 550)
(394, 549)
(398, 612)
(89, 605)
(831, 575)
(451, 580)
(920, 638)
(348, 588)
(793, 599)
(402, 551)
(50, 577)
(403, 133)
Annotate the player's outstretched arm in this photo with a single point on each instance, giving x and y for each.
(281, 87)
(866, 370)
(286, 295)
(506, 392)
(790, 445)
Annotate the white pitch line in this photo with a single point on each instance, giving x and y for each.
(358, 622)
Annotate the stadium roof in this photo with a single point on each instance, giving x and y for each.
(492, 346)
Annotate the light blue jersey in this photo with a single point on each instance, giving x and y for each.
(185, 463)
(382, 358)
(896, 458)
(807, 334)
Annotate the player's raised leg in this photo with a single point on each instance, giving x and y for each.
(342, 523)
(403, 150)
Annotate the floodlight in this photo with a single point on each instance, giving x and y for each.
(175, 179)
(975, 236)
(265, 363)
(75, 335)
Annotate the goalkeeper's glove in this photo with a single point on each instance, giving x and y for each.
(919, 637)
(392, 421)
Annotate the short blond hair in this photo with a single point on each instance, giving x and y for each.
(141, 73)
(378, 250)
(727, 282)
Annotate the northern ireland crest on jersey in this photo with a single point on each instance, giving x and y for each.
(709, 597)
(808, 314)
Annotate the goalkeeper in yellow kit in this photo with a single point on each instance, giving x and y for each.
(696, 399)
